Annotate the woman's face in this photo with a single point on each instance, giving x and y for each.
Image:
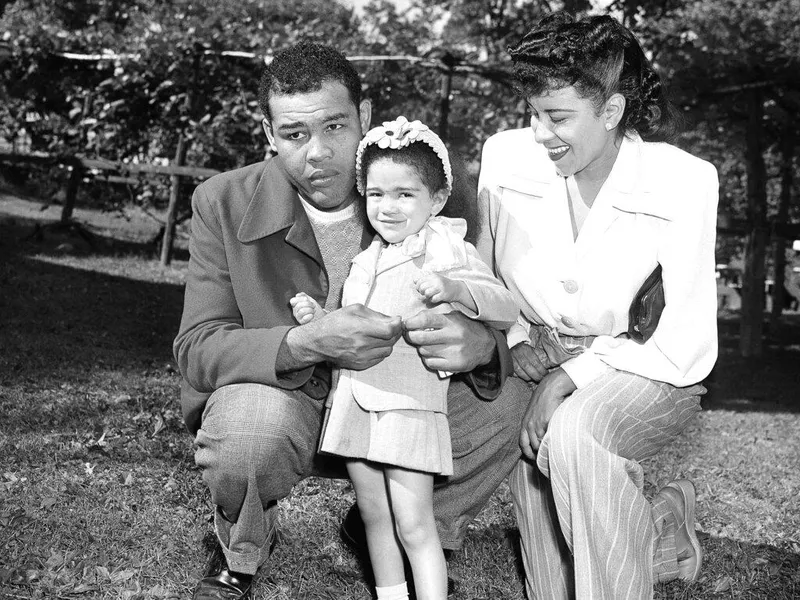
(578, 140)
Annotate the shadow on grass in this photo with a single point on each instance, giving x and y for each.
(734, 569)
(64, 327)
(20, 235)
(766, 384)
(731, 568)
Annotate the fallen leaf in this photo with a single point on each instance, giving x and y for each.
(159, 425)
(723, 585)
(56, 559)
(158, 591)
(49, 503)
(121, 576)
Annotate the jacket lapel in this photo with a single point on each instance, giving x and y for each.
(618, 189)
(275, 207)
(543, 204)
(392, 260)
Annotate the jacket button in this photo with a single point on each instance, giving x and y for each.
(568, 322)
(570, 286)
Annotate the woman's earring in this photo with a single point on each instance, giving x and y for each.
(608, 126)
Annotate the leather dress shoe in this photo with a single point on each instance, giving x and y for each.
(354, 536)
(681, 496)
(225, 585)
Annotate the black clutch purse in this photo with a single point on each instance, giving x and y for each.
(646, 308)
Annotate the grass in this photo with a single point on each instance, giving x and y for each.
(99, 496)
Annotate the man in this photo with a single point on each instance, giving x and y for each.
(255, 383)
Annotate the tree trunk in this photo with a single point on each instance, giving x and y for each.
(779, 249)
(190, 105)
(444, 101)
(174, 196)
(76, 175)
(752, 325)
(73, 183)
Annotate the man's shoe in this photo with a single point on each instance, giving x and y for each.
(354, 536)
(225, 585)
(353, 533)
(682, 498)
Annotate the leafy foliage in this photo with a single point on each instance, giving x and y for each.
(166, 74)
(169, 75)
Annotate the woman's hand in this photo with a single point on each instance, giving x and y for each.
(527, 365)
(553, 389)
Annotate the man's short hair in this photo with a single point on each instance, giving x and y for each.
(303, 68)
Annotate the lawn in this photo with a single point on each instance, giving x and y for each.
(99, 496)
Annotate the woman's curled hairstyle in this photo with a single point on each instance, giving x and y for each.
(599, 57)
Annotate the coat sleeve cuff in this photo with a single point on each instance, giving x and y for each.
(585, 368)
(517, 334)
(487, 380)
(290, 380)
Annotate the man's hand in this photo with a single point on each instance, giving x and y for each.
(353, 337)
(553, 389)
(527, 365)
(449, 342)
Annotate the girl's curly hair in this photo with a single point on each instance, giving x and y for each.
(599, 57)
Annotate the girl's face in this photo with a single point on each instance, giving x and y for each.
(577, 138)
(398, 202)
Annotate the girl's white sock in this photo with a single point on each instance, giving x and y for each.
(393, 592)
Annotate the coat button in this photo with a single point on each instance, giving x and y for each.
(568, 322)
(570, 286)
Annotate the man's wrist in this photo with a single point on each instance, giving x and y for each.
(298, 349)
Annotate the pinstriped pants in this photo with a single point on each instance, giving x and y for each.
(587, 530)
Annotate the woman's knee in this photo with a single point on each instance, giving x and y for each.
(572, 431)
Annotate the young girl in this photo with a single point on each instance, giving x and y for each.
(390, 420)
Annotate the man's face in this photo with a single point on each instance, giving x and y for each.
(316, 136)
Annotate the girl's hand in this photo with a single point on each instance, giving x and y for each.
(553, 389)
(437, 288)
(305, 309)
(527, 365)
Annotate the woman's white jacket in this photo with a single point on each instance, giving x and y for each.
(658, 205)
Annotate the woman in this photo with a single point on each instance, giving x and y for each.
(578, 211)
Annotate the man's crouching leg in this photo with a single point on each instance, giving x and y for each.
(255, 443)
(485, 439)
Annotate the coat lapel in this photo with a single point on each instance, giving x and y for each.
(618, 189)
(275, 207)
(392, 260)
(543, 204)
